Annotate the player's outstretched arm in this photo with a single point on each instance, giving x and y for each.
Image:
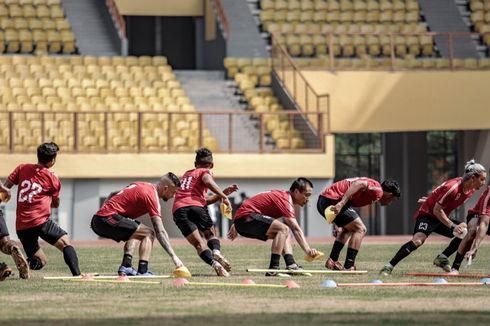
(164, 240)
(211, 184)
(300, 236)
(227, 191)
(480, 234)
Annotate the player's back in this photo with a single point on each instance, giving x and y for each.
(192, 191)
(36, 187)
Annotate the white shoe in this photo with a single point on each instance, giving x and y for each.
(217, 256)
(219, 269)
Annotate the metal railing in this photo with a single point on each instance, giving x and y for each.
(223, 19)
(390, 42)
(306, 99)
(120, 24)
(162, 132)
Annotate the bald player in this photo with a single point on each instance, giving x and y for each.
(116, 220)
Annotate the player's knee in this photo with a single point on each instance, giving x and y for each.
(418, 242)
(36, 263)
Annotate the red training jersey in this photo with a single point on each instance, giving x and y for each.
(137, 199)
(37, 187)
(482, 207)
(369, 195)
(449, 195)
(274, 203)
(193, 190)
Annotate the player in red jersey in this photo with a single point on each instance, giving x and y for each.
(8, 246)
(478, 219)
(116, 220)
(270, 215)
(39, 190)
(343, 196)
(433, 215)
(191, 214)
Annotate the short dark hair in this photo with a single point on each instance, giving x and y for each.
(300, 184)
(204, 156)
(47, 152)
(175, 179)
(390, 185)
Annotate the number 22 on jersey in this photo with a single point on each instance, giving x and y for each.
(28, 190)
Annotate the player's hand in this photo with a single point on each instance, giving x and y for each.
(460, 228)
(312, 252)
(230, 189)
(226, 201)
(422, 200)
(232, 233)
(4, 193)
(471, 253)
(177, 261)
(337, 208)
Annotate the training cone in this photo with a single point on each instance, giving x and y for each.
(182, 271)
(248, 281)
(180, 281)
(329, 214)
(376, 281)
(290, 284)
(485, 280)
(317, 256)
(440, 280)
(328, 284)
(123, 278)
(226, 211)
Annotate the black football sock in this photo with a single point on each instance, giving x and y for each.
(274, 263)
(207, 256)
(142, 266)
(336, 249)
(127, 260)
(214, 244)
(289, 260)
(404, 251)
(71, 259)
(452, 247)
(457, 261)
(350, 259)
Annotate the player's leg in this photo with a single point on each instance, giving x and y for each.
(278, 232)
(424, 226)
(9, 247)
(126, 266)
(205, 224)
(36, 259)
(442, 259)
(465, 244)
(358, 231)
(345, 217)
(53, 234)
(145, 235)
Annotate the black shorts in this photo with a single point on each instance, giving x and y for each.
(48, 231)
(115, 227)
(190, 218)
(428, 224)
(254, 226)
(3, 226)
(346, 215)
(470, 217)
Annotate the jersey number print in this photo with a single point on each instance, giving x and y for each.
(186, 183)
(28, 190)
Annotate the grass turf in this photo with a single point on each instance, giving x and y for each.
(54, 302)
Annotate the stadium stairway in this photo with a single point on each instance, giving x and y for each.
(92, 26)
(245, 39)
(444, 16)
(209, 91)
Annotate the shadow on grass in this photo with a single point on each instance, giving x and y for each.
(271, 319)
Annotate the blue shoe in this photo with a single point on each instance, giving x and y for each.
(145, 274)
(128, 271)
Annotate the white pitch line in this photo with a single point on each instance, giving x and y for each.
(312, 271)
